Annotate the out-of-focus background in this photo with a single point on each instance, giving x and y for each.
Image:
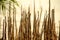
(44, 4)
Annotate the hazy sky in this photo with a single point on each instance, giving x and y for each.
(44, 4)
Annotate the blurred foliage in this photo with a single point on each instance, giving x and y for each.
(4, 2)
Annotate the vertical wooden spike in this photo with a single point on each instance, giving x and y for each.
(9, 22)
(59, 30)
